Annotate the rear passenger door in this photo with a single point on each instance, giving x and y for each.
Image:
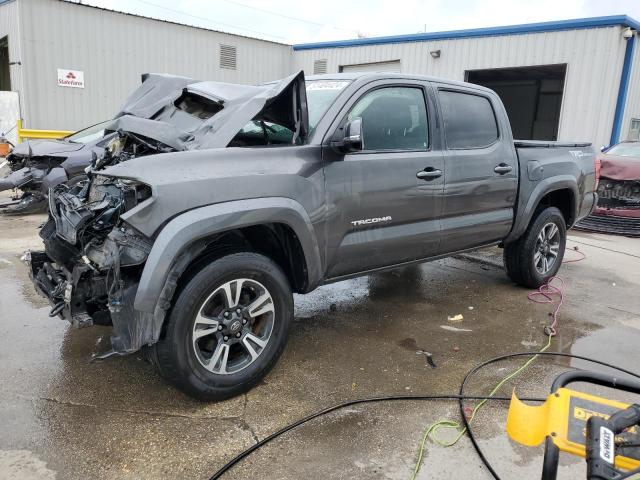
(384, 202)
(481, 183)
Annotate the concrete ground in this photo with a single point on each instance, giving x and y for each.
(63, 417)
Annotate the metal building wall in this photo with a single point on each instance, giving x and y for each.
(113, 50)
(10, 26)
(594, 59)
(632, 108)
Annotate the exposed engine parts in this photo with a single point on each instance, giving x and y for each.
(618, 210)
(125, 146)
(91, 260)
(621, 194)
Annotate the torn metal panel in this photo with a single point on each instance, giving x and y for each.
(166, 113)
(155, 91)
(162, 132)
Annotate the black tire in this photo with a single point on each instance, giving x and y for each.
(520, 256)
(181, 361)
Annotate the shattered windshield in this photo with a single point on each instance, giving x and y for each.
(320, 96)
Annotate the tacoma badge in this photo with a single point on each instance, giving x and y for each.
(369, 221)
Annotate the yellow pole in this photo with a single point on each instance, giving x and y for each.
(33, 133)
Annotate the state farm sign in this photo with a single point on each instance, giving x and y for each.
(70, 78)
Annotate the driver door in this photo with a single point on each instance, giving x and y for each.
(383, 208)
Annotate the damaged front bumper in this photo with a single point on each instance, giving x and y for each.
(92, 262)
(618, 210)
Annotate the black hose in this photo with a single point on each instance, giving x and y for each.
(291, 426)
(475, 369)
(461, 397)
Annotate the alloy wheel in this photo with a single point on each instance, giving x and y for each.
(233, 326)
(547, 248)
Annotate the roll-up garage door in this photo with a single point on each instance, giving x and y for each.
(393, 66)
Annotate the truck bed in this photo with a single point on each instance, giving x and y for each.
(548, 165)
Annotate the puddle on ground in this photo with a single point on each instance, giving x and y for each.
(23, 465)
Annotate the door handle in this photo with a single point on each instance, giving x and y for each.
(429, 173)
(503, 168)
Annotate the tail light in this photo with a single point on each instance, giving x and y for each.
(598, 165)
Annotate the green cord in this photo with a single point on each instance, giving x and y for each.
(431, 432)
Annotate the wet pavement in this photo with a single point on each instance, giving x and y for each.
(64, 417)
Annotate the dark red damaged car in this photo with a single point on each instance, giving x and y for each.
(618, 208)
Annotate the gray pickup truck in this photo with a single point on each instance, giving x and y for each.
(213, 202)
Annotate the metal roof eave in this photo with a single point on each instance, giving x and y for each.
(560, 25)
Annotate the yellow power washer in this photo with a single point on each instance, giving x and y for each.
(605, 432)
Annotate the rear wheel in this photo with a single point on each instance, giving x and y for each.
(227, 327)
(537, 255)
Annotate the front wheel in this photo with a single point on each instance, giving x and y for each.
(537, 255)
(227, 327)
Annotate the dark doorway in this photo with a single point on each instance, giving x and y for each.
(5, 76)
(532, 97)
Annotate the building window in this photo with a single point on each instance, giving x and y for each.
(634, 131)
(320, 66)
(228, 57)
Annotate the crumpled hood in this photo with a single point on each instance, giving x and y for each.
(620, 168)
(283, 102)
(45, 147)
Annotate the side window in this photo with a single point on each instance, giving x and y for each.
(393, 118)
(469, 120)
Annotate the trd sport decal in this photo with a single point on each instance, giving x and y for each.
(369, 221)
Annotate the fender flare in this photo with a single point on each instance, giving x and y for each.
(525, 212)
(189, 227)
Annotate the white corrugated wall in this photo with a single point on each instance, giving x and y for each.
(113, 50)
(594, 59)
(10, 27)
(632, 108)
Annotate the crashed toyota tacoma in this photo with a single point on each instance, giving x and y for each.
(618, 210)
(213, 203)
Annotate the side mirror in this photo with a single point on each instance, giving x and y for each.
(351, 140)
(603, 148)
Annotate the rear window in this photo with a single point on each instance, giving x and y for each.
(469, 120)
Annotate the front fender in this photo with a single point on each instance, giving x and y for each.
(194, 225)
(529, 201)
